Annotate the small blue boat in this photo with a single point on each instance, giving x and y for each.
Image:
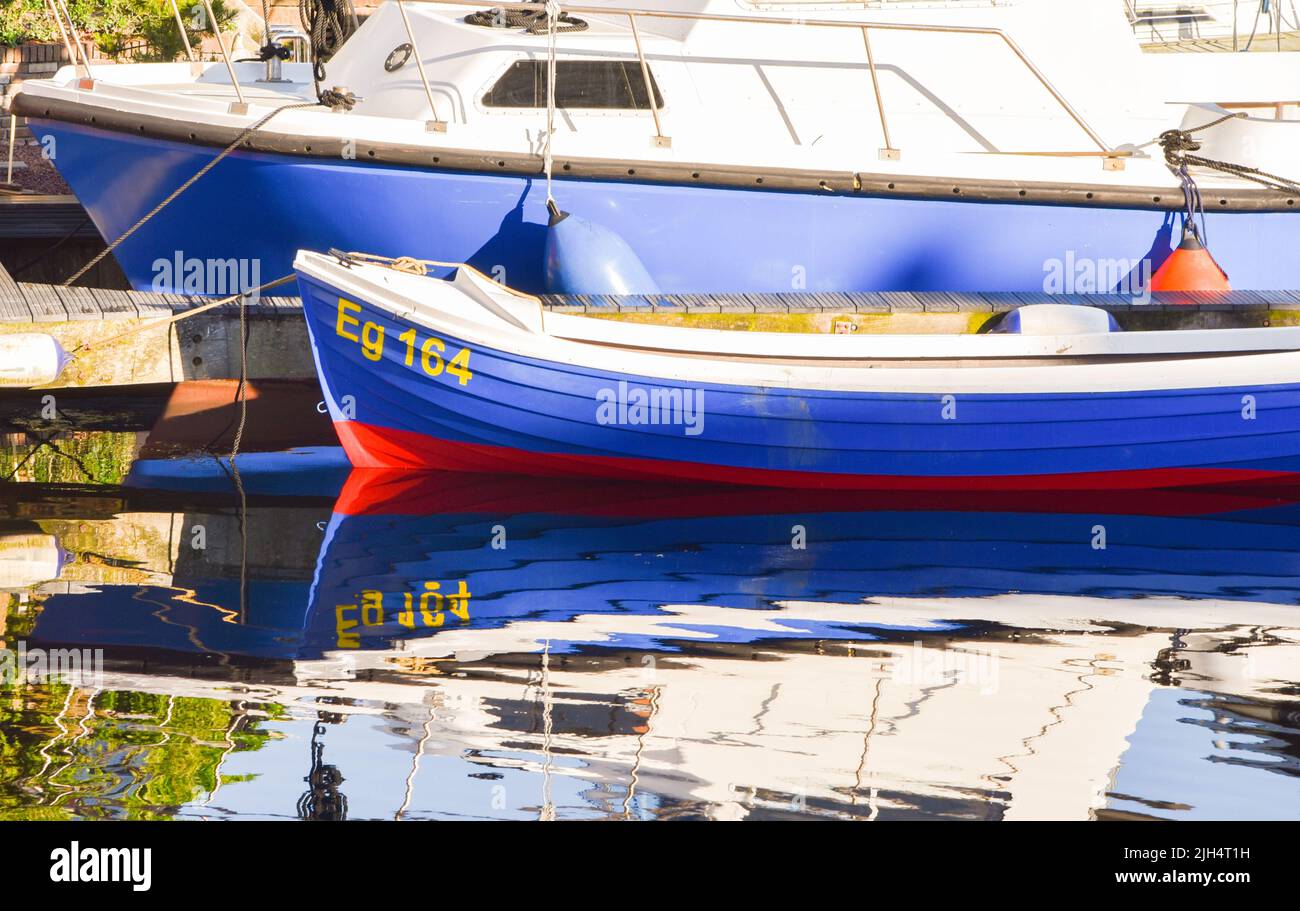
(461, 373)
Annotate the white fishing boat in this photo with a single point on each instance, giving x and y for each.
(699, 146)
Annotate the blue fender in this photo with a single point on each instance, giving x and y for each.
(586, 258)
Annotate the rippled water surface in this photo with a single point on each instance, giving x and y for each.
(448, 647)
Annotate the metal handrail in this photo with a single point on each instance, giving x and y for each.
(634, 14)
(63, 33)
(660, 138)
(185, 38)
(242, 106)
(70, 40)
(437, 124)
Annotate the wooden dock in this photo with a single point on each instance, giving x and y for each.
(207, 346)
(29, 216)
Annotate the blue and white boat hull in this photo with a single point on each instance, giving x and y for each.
(461, 374)
(259, 207)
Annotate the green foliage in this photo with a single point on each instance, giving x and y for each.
(135, 756)
(112, 22)
(80, 457)
(160, 31)
(26, 20)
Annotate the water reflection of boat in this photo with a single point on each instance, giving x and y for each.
(943, 658)
(665, 651)
(428, 560)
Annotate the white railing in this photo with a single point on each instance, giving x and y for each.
(1114, 158)
(1210, 22)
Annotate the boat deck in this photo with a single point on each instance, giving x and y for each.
(903, 302)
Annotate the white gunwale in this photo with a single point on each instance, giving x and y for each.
(473, 309)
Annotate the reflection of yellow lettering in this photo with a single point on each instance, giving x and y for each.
(435, 618)
(344, 319)
(372, 341)
(372, 608)
(343, 624)
(432, 605)
(460, 602)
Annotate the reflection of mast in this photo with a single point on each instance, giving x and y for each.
(640, 748)
(866, 749)
(237, 716)
(548, 807)
(415, 765)
(84, 724)
(322, 800)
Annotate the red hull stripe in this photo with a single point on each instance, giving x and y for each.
(401, 492)
(369, 446)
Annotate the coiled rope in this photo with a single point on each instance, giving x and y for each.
(533, 23)
(328, 24)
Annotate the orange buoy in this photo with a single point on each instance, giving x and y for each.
(1190, 268)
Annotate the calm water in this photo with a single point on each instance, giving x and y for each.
(448, 647)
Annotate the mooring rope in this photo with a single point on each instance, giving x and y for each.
(184, 314)
(553, 15)
(1178, 146)
(221, 156)
(329, 23)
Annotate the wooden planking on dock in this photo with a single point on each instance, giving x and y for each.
(11, 299)
(31, 216)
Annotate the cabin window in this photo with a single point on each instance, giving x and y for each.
(597, 84)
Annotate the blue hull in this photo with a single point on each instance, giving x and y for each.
(256, 206)
(520, 414)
